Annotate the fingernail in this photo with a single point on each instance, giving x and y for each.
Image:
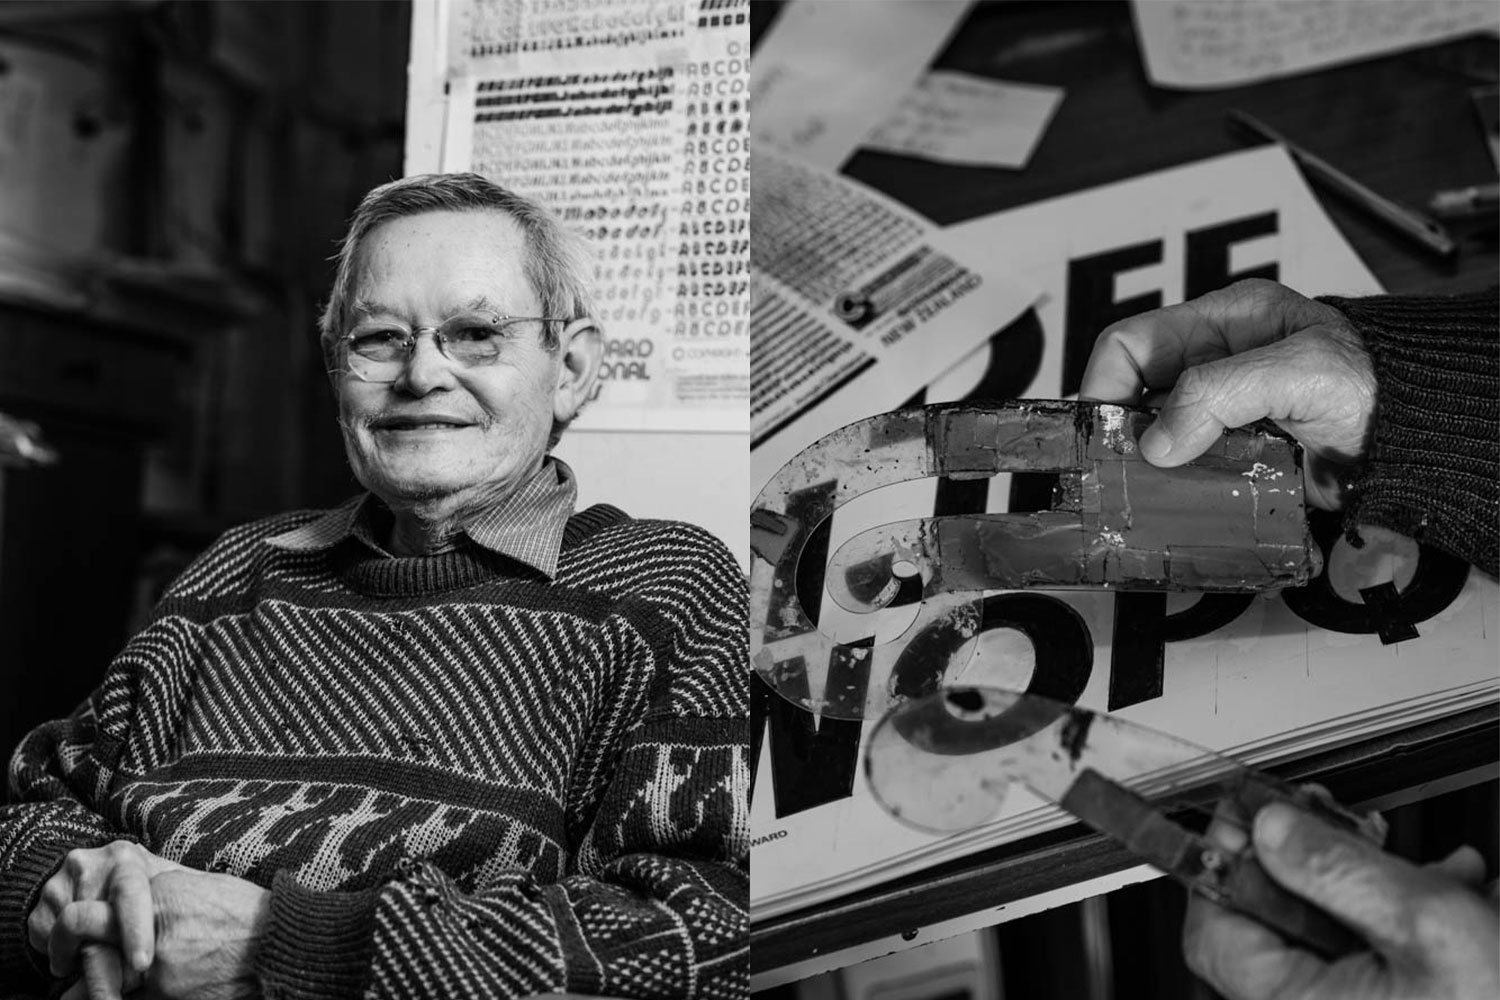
(140, 961)
(1274, 828)
(1156, 442)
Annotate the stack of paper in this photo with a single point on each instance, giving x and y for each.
(853, 307)
(1267, 687)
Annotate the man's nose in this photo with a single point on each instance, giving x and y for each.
(427, 367)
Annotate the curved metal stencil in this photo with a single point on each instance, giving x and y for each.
(1232, 520)
(944, 762)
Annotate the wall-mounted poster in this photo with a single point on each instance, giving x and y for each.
(629, 118)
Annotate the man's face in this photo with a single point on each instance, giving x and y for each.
(463, 436)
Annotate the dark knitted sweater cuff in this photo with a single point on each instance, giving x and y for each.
(1433, 470)
(317, 945)
(21, 888)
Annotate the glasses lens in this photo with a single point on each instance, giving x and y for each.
(474, 339)
(376, 355)
(378, 345)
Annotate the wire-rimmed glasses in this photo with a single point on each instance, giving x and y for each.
(377, 352)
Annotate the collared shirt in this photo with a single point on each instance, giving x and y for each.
(528, 527)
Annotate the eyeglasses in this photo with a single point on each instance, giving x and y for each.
(377, 352)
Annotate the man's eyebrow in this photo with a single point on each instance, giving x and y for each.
(481, 304)
(365, 307)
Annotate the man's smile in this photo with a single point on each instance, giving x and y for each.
(419, 422)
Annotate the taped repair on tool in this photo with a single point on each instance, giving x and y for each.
(1230, 521)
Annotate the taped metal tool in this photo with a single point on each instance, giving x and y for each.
(1232, 520)
(944, 763)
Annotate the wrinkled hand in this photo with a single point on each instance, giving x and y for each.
(1430, 933)
(115, 880)
(207, 928)
(197, 934)
(1253, 350)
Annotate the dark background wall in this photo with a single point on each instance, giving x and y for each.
(173, 178)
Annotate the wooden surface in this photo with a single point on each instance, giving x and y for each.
(1404, 125)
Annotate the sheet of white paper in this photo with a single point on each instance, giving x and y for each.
(1048, 240)
(1203, 44)
(820, 238)
(970, 120)
(1267, 685)
(826, 73)
(631, 121)
(426, 95)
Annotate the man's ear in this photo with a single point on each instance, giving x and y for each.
(582, 347)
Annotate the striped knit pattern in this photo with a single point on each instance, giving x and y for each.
(459, 779)
(1434, 466)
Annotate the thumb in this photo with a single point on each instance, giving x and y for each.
(1341, 873)
(1464, 865)
(103, 972)
(1208, 398)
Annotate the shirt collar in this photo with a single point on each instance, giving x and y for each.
(527, 527)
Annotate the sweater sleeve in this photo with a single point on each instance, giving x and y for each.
(1433, 470)
(63, 773)
(56, 779)
(656, 901)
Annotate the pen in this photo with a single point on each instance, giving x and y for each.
(1412, 223)
(1466, 201)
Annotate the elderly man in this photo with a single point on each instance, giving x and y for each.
(448, 739)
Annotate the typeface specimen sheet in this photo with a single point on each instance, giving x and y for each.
(630, 118)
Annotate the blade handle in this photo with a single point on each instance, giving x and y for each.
(1234, 880)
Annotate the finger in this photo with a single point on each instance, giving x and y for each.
(103, 975)
(1151, 350)
(1342, 873)
(1146, 352)
(1227, 829)
(1465, 865)
(1295, 381)
(130, 892)
(39, 926)
(88, 870)
(1208, 398)
(1242, 959)
(57, 893)
(81, 924)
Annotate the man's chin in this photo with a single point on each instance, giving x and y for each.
(405, 493)
(411, 487)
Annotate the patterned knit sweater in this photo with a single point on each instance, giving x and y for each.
(458, 778)
(1433, 472)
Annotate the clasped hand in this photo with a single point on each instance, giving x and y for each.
(128, 920)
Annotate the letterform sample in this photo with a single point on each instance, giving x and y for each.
(1231, 520)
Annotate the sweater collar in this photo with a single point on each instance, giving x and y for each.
(527, 527)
